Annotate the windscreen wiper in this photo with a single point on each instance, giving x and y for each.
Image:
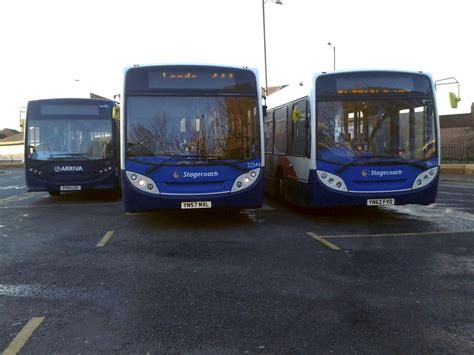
(221, 160)
(206, 158)
(139, 149)
(65, 155)
(154, 166)
(390, 161)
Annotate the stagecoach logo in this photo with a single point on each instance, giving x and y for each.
(381, 173)
(68, 169)
(194, 175)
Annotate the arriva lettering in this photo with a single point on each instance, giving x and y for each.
(68, 169)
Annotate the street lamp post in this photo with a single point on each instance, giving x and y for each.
(278, 2)
(334, 53)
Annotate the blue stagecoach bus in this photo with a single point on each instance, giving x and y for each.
(191, 138)
(71, 145)
(354, 138)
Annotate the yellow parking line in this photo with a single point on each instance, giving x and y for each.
(20, 340)
(323, 241)
(105, 239)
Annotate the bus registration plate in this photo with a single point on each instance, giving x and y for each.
(380, 201)
(70, 188)
(196, 204)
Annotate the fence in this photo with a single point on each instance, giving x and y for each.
(457, 153)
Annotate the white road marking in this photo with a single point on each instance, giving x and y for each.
(454, 193)
(16, 198)
(62, 205)
(418, 234)
(12, 187)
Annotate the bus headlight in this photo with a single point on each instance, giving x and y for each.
(143, 183)
(425, 178)
(332, 181)
(245, 180)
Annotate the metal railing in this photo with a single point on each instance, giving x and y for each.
(457, 153)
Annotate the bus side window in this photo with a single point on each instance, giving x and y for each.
(268, 130)
(280, 131)
(299, 127)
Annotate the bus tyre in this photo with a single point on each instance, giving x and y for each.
(280, 187)
(53, 193)
(118, 191)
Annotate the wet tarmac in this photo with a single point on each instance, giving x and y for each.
(252, 281)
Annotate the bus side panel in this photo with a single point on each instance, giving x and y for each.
(321, 196)
(116, 143)
(137, 201)
(34, 184)
(297, 192)
(269, 174)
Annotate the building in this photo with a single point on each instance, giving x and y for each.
(457, 137)
(11, 148)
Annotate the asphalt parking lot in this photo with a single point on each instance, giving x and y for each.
(83, 277)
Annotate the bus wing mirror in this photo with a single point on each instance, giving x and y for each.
(116, 113)
(296, 115)
(453, 100)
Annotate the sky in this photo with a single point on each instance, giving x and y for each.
(58, 48)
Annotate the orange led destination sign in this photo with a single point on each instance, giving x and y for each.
(371, 91)
(189, 75)
(222, 76)
(194, 78)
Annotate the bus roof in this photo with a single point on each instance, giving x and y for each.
(70, 99)
(230, 66)
(287, 94)
(346, 71)
(305, 88)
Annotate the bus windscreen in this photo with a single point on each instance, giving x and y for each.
(69, 128)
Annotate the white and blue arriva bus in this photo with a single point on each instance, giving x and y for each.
(191, 138)
(71, 145)
(354, 138)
